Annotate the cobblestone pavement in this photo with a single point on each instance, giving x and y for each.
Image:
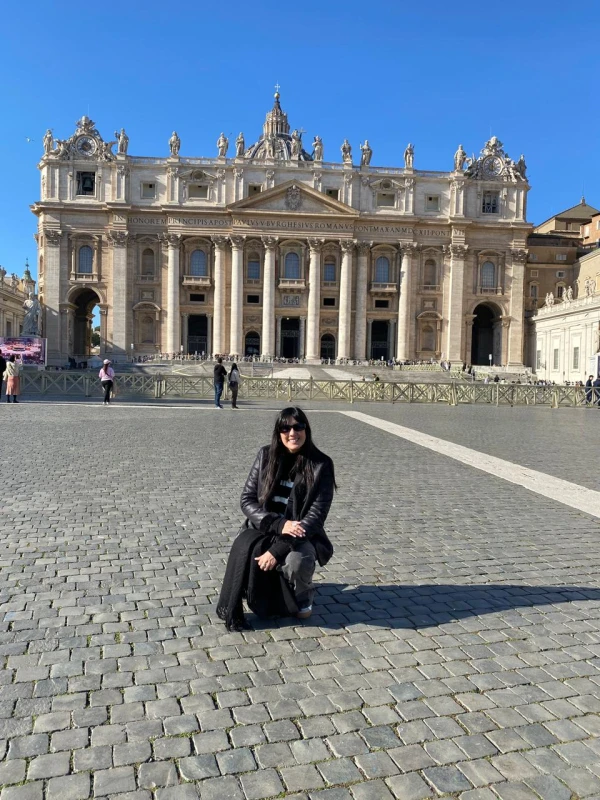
(454, 649)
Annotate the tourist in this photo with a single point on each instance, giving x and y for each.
(234, 384)
(220, 373)
(588, 390)
(2, 371)
(286, 500)
(596, 385)
(12, 375)
(107, 378)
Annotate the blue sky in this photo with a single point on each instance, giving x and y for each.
(434, 74)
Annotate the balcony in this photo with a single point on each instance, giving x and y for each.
(291, 284)
(196, 280)
(430, 287)
(330, 284)
(148, 278)
(84, 276)
(490, 290)
(383, 288)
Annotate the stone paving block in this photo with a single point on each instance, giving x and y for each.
(236, 761)
(371, 790)
(265, 783)
(48, 766)
(409, 787)
(514, 791)
(30, 791)
(376, 765)
(112, 781)
(549, 788)
(309, 750)
(69, 787)
(153, 776)
(225, 788)
(446, 780)
(301, 778)
(339, 770)
(185, 792)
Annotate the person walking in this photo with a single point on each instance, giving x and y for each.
(107, 377)
(220, 373)
(234, 384)
(12, 375)
(286, 501)
(588, 390)
(596, 386)
(2, 371)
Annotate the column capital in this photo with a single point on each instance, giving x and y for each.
(316, 244)
(408, 248)
(173, 239)
(364, 248)
(237, 242)
(219, 241)
(270, 242)
(519, 256)
(52, 236)
(459, 250)
(347, 245)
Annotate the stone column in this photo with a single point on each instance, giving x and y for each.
(515, 342)
(103, 330)
(184, 332)
(218, 342)
(369, 337)
(404, 311)
(278, 337)
(209, 328)
(391, 338)
(302, 352)
(268, 312)
(345, 311)
(120, 304)
(362, 290)
(454, 345)
(52, 299)
(237, 295)
(314, 301)
(173, 320)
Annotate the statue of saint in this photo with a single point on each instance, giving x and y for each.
(365, 154)
(122, 142)
(174, 144)
(222, 144)
(33, 309)
(296, 144)
(346, 152)
(240, 146)
(270, 142)
(460, 158)
(48, 142)
(318, 149)
(569, 294)
(409, 156)
(522, 166)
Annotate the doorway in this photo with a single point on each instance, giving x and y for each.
(252, 344)
(290, 337)
(328, 346)
(380, 337)
(486, 336)
(197, 339)
(83, 320)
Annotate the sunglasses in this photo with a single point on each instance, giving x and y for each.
(297, 426)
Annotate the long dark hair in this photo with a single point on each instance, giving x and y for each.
(277, 452)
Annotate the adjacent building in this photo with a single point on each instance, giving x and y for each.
(14, 291)
(272, 250)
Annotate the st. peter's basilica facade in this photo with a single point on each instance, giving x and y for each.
(271, 250)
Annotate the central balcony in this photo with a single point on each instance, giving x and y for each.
(196, 280)
(383, 288)
(292, 284)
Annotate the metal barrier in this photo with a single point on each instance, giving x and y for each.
(84, 384)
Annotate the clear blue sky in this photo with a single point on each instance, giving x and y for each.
(434, 74)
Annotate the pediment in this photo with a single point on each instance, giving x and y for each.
(294, 197)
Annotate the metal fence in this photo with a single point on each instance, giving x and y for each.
(82, 384)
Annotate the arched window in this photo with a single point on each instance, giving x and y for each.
(329, 270)
(86, 260)
(252, 344)
(560, 291)
(327, 346)
(148, 262)
(533, 291)
(488, 275)
(253, 267)
(292, 266)
(147, 330)
(382, 270)
(429, 273)
(198, 264)
(428, 338)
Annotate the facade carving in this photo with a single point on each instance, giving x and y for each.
(275, 252)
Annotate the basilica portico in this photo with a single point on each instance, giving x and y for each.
(277, 252)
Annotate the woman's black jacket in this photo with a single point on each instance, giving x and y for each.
(310, 508)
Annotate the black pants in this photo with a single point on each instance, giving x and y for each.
(233, 388)
(107, 386)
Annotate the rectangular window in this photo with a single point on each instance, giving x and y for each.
(329, 301)
(490, 203)
(86, 184)
(575, 358)
(334, 193)
(254, 270)
(538, 359)
(382, 303)
(560, 290)
(432, 202)
(534, 273)
(197, 298)
(198, 191)
(254, 188)
(533, 290)
(253, 299)
(533, 256)
(560, 257)
(148, 191)
(555, 359)
(560, 274)
(386, 199)
(329, 273)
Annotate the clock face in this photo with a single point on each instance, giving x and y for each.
(493, 166)
(86, 146)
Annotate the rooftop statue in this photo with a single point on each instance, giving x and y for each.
(460, 158)
(317, 148)
(346, 152)
(174, 144)
(122, 142)
(409, 156)
(365, 154)
(240, 146)
(48, 142)
(223, 145)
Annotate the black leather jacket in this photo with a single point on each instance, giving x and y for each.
(310, 509)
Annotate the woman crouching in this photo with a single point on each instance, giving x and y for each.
(286, 500)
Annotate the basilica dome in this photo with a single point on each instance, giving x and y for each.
(276, 141)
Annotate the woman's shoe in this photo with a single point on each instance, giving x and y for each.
(304, 613)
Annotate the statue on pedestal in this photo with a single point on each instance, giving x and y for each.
(317, 149)
(222, 144)
(568, 294)
(409, 156)
(33, 309)
(460, 158)
(240, 146)
(549, 299)
(122, 142)
(521, 166)
(365, 154)
(346, 152)
(48, 142)
(296, 144)
(174, 144)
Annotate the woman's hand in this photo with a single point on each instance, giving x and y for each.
(293, 528)
(266, 562)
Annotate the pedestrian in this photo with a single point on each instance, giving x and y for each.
(2, 371)
(12, 375)
(588, 390)
(107, 377)
(234, 384)
(286, 500)
(220, 374)
(596, 385)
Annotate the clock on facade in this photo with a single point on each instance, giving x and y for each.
(86, 146)
(493, 166)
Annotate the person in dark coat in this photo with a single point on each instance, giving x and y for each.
(596, 385)
(2, 371)
(286, 499)
(588, 390)
(220, 373)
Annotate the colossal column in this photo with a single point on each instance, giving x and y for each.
(173, 321)
(218, 341)
(360, 322)
(120, 306)
(345, 312)
(454, 349)
(515, 342)
(404, 312)
(51, 240)
(268, 313)
(237, 295)
(313, 351)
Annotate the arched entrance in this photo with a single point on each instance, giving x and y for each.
(197, 338)
(486, 335)
(328, 346)
(380, 339)
(290, 337)
(252, 344)
(83, 316)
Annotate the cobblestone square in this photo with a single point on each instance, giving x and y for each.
(454, 647)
